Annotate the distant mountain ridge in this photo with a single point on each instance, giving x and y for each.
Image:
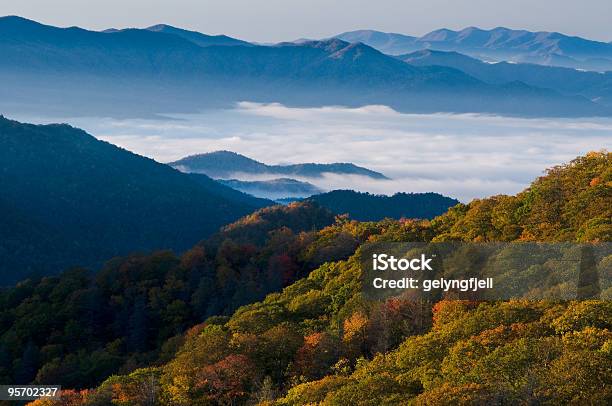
(546, 48)
(594, 85)
(281, 188)
(142, 72)
(198, 38)
(225, 164)
(388, 42)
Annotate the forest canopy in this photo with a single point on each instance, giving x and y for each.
(315, 339)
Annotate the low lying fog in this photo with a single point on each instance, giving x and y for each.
(462, 156)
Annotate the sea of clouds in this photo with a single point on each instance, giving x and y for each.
(465, 156)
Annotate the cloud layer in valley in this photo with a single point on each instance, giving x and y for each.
(463, 156)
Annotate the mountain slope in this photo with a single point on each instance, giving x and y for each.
(197, 38)
(141, 301)
(320, 341)
(142, 72)
(389, 43)
(74, 200)
(280, 188)
(31, 46)
(368, 207)
(223, 164)
(546, 48)
(594, 85)
(232, 194)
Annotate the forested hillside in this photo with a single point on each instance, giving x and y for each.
(78, 329)
(69, 199)
(368, 207)
(320, 340)
(570, 203)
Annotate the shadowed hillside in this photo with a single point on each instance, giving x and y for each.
(69, 199)
(368, 207)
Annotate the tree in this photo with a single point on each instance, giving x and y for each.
(138, 326)
(27, 366)
(355, 335)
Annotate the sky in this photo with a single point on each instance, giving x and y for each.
(280, 20)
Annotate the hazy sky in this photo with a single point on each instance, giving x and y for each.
(276, 20)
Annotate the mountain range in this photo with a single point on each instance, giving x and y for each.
(498, 44)
(69, 199)
(593, 85)
(143, 72)
(226, 164)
